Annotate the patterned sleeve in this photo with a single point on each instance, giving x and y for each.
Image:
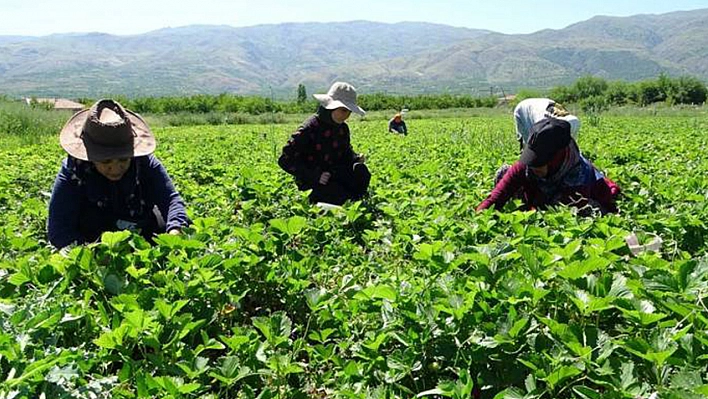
(349, 150)
(292, 159)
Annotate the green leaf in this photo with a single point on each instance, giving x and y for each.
(229, 367)
(352, 369)
(18, 279)
(586, 393)
(518, 326)
(38, 367)
(530, 383)
(656, 353)
(313, 297)
(235, 342)
(425, 252)
(619, 288)
(589, 304)
(189, 388)
(627, 378)
(376, 342)
(291, 226)
(642, 318)
(689, 380)
(510, 393)
(112, 339)
(569, 250)
(107, 340)
(579, 349)
(296, 224)
(561, 374)
(113, 284)
(276, 328)
(377, 292)
(139, 320)
(576, 270)
(113, 239)
(177, 241)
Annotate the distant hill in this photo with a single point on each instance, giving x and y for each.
(401, 58)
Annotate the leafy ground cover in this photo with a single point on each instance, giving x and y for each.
(408, 293)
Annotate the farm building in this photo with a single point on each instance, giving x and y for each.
(60, 104)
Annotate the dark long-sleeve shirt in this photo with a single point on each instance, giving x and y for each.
(80, 190)
(518, 179)
(317, 147)
(399, 126)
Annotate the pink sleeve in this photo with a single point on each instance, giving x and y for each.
(614, 188)
(505, 189)
(605, 191)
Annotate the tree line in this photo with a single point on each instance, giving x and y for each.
(593, 93)
(256, 105)
(589, 92)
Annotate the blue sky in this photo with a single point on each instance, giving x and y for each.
(42, 17)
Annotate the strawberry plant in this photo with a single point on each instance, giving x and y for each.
(409, 293)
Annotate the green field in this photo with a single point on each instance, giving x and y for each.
(410, 292)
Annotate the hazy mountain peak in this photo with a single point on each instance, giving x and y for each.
(397, 57)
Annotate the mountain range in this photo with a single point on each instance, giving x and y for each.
(407, 57)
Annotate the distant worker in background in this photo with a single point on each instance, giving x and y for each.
(110, 180)
(319, 154)
(532, 110)
(551, 171)
(397, 125)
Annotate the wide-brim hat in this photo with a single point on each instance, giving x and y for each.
(341, 94)
(106, 131)
(546, 138)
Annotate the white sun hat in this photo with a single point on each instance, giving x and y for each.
(341, 94)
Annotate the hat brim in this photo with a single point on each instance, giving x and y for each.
(73, 142)
(531, 158)
(329, 103)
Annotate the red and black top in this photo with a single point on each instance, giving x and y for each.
(319, 145)
(518, 181)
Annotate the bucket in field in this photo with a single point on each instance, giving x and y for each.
(653, 244)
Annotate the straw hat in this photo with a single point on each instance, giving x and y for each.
(340, 95)
(106, 131)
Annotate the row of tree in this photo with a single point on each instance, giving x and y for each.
(254, 105)
(593, 93)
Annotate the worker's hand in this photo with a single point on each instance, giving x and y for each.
(324, 178)
(361, 158)
(175, 232)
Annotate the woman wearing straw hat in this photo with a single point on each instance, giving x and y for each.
(110, 180)
(319, 154)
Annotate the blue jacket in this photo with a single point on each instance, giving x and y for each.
(85, 201)
(400, 127)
